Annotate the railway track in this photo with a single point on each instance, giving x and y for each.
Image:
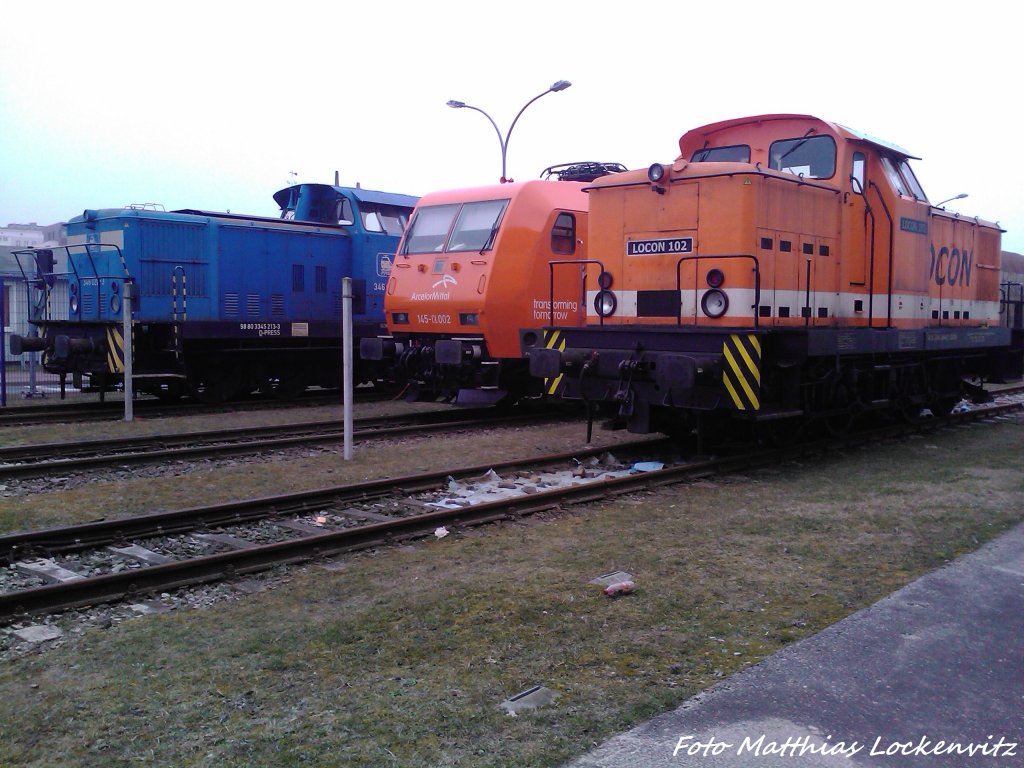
(85, 412)
(174, 549)
(39, 459)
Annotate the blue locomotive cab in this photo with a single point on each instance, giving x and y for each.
(222, 304)
(373, 212)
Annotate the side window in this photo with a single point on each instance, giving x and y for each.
(813, 157)
(343, 212)
(893, 175)
(371, 222)
(857, 172)
(392, 218)
(563, 234)
(912, 182)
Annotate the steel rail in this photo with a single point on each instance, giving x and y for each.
(100, 532)
(113, 410)
(117, 586)
(29, 461)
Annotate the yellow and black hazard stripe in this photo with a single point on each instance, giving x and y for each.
(115, 349)
(741, 370)
(553, 340)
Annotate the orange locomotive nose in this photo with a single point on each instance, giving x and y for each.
(474, 267)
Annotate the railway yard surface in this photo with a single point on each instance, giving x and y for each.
(413, 653)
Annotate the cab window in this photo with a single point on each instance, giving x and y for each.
(476, 226)
(912, 182)
(429, 228)
(813, 157)
(857, 172)
(343, 211)
(737, 153)
(563, 234)
(378, 217)
(894, 177)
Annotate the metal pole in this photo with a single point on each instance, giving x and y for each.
(126, 313)
(346, 351)
(30, 390)
(3, 346)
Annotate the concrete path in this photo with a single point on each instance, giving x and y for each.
(932, 675)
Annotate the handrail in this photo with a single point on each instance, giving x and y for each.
(871, 297)
(1016, 319)
(757, 279)
(551, 287)
(782, 176)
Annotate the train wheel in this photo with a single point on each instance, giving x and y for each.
(780, 433)
(840, 422)
(287, 386)
(169, 392)
(841, 414)
(214, 385)
(910, 410)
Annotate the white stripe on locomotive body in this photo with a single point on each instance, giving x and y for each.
(106, 237)
(905, 306)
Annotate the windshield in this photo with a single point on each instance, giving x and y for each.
(738, 153)
(477, 225)
(472, 227)
(813, 157)
(429, 228)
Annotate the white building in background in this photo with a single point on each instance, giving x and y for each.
(16, 237)
(33, 235)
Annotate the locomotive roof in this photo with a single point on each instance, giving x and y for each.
(569, 192)
(361, 195)
(698, 135)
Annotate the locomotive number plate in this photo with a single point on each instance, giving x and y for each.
(663, 245)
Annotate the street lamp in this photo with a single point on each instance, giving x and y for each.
(961, 196)
(561, 85)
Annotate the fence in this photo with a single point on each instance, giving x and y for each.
(22, 378)
(23, 382)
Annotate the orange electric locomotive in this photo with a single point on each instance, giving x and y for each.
(783, 270)
(470, 271)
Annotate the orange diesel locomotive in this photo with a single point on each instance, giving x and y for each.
(784, 269)
(471, 270)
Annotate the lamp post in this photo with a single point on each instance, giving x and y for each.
(561, 85)
(961, 196)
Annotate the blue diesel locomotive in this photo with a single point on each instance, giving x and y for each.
(222, 304)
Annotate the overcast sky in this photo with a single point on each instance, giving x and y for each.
(214, 105)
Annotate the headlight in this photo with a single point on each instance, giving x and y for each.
(115, 303)
(656, 172)
(605, 303)
(400, 318)
(714, 303)
(74, 304)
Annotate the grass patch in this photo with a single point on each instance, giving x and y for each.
(402, 657)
